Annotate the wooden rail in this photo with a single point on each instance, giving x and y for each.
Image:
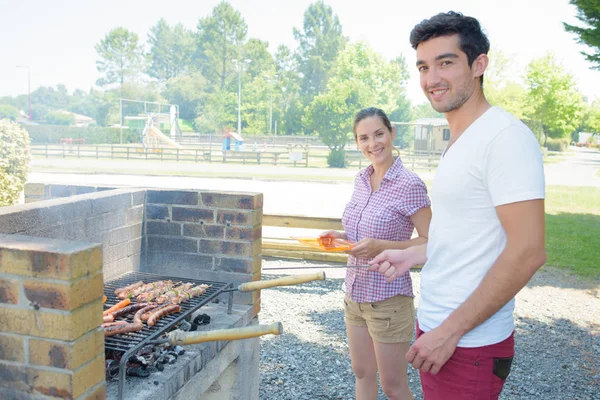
(290, 248)
(296, 157)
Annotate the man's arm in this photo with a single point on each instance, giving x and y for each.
(523, 255)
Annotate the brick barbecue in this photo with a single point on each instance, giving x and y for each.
(56, 254)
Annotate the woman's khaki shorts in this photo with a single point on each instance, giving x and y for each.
(389, 321)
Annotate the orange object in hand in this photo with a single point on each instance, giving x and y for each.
(326, 243)
(117, 306)
(104, 298)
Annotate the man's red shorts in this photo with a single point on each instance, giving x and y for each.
(475, 373)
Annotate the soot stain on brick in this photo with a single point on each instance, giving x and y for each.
(45, 297)
(58, 357)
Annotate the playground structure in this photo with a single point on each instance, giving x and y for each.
(152, 136)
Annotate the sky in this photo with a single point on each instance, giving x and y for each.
(56, 38)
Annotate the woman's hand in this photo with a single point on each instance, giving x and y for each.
(333, 235)
(366, 248)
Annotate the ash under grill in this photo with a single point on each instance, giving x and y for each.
(130, 343)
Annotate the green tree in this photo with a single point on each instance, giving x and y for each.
(220, 38)
(552, 99)
(288, 108)
(262, 61)
(588, 12)
(319, 43)
(8, 112)
(171, 50)
(385, 80)
(590, 121)
(188, 92)
(120, 57)
(331, 115)
(502, 91)
(360, 78)
(219, 113)
(424, 110)
(14, 161)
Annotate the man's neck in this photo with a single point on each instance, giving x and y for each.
(461, 118)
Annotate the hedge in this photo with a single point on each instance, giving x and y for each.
(51, 134)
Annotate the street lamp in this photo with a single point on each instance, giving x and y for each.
(240, 66)
(28, 85)
(271, 80)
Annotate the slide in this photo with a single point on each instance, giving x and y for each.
(157, 134)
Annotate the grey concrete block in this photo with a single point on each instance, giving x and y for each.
(111, 204)
(61, 190)
(163, 228)
(84, 189)
(112, 254)
(135, 215)
(105, 222)
(138, 198)
(157, 212)
(123, 234)
(172, 244)
(172, 197)
(134, 247)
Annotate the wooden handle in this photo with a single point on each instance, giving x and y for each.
(284, 281)
(183, 338)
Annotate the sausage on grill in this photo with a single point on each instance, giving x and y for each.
(119, 329)
(147, 314)
(136, 326)
(155, 316)
(129, 309)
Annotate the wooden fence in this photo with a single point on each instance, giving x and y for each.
(294, 155)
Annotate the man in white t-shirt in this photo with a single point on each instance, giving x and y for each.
(486, 238)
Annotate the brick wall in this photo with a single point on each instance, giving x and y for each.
(205, 235)
(111, 217)
(51, 346)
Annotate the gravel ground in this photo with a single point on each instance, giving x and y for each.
(557, 340)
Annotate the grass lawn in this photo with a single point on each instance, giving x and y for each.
(573, 229)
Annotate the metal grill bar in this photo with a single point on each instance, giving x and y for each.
(130, 343)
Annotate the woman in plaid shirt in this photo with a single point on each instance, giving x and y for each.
(388, 202)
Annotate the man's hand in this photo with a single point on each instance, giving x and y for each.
(431, 350)
(366, 248)
(393, 263)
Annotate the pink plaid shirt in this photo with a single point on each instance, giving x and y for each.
(383, 214)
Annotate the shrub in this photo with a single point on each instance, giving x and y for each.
(557, 144)
(59, 118)
(51, 134)
(14, 161)
(336, 159)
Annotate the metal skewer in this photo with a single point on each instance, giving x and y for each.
(317, 267)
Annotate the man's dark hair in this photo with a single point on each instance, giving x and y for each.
(473, 41)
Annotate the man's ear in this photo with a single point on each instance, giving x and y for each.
(479, 65)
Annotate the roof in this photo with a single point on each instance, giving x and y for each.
(432, 121)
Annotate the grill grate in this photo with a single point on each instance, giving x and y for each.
(132, 341)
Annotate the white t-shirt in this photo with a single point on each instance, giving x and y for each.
(496, 161)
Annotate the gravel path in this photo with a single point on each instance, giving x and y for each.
(557, 340)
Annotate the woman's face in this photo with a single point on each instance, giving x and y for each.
(374, 139)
